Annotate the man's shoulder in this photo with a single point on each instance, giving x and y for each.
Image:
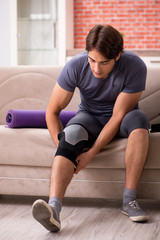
(79, 59)
(76, 65)
(131, 57)
(131, 60)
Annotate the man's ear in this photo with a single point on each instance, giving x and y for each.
(117, 58)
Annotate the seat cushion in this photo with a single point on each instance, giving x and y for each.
(26, 146)
(35, 147)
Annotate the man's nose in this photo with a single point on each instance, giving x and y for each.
(97, 67)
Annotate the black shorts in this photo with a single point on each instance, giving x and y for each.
(83, 129)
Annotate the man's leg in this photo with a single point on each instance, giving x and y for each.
(135, 157)
(61, 175)
(48, 214)
(79, 133)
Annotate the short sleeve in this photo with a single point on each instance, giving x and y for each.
(68, 77)
(136, 77)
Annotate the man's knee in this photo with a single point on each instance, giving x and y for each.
(140, 131)
(75, 134)
(72, 140)
(133, 120)
(80, 132)
(138, 119)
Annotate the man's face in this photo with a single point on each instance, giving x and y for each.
(99, 65)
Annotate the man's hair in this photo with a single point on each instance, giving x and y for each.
(106, 40)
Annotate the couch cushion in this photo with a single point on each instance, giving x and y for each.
(112, 156)
(26, 146)
(35, 147)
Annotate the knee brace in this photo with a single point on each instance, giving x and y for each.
(72, 140)
(80, 133)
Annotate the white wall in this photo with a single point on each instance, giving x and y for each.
(65, 29)
(8, 30)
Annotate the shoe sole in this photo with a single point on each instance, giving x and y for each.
(44, 215)
(137, 218)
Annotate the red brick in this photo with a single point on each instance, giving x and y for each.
(136, 19)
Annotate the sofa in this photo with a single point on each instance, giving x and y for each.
(26, 154)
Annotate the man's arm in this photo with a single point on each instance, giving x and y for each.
(125, 102)
(60, 98)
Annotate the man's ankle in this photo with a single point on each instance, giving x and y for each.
(56, 204)
(129, 195)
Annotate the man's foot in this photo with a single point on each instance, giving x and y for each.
(46, 215)
(134, 212)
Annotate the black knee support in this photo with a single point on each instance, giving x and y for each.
(72, 140)
(80, 133)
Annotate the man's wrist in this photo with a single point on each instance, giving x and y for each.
(92, 152)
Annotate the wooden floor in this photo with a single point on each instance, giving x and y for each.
(82, 219)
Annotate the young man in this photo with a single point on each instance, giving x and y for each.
(111, 82)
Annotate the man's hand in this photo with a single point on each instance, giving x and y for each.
(83, 159)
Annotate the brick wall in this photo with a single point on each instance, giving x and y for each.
(138, 20)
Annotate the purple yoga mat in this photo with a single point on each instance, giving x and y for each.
(33, 118)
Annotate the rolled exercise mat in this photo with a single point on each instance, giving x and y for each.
(65, 116)
(17, 118)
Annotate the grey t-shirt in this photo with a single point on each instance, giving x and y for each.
(98, 96)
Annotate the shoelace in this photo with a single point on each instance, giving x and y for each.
(135, 205)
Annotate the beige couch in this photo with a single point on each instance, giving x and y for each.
(26, 154)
